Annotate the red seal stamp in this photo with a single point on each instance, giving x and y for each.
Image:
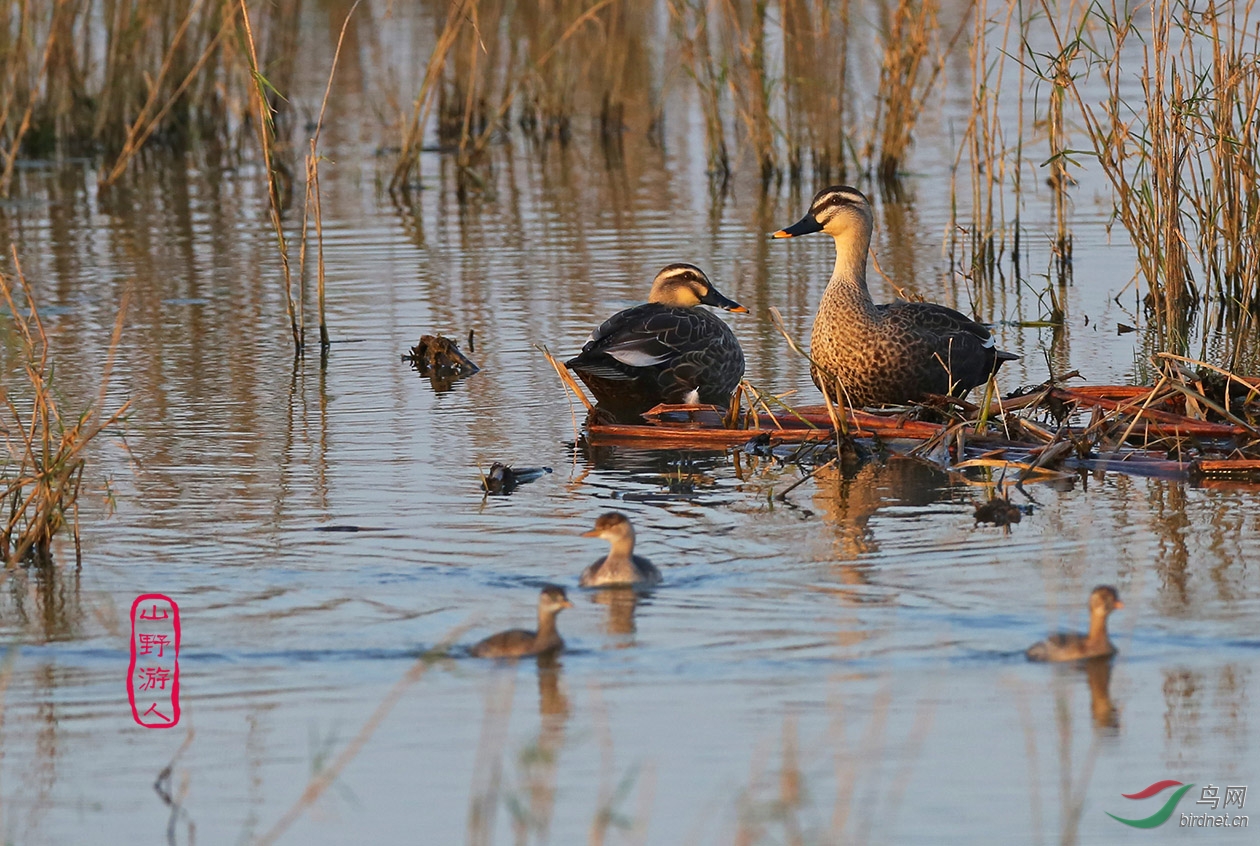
(153, 675)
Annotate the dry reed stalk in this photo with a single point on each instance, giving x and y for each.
(1059, 77)
(815, 83)
(904, 83)
(839, 417)
(749, 80)
(313, 197)
(43, 471)
(984, 145)
(267, 140)
(567, 378)
(324, 779)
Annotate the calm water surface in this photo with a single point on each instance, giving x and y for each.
(843, 667)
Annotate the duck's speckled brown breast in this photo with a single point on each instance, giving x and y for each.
(896, 353)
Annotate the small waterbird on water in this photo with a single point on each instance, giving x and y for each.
(1071, 646)
(516, 643)
(894, 353)
(621, 566)
(665, 351)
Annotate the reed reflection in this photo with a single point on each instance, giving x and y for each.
(45, 602)
(849, 498)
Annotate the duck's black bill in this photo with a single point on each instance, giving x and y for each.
(713, 298)
(804, 226)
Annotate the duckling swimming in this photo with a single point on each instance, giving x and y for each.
(894, 353)
(621, 567)
(1070, 646)
(515, 643)
(666, 350)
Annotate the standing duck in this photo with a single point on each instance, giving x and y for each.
(666, 350)
(621, 567)
(1070, 646)
(895, 353)
(515, 643)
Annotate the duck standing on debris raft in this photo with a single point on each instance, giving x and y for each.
(666, 350)
(895, 353)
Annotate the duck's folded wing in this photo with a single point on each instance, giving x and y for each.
(640, 350)
(644, 336)
(941, 320)
(964, 347)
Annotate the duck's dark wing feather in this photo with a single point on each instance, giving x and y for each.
(666, 352)
(949, 339)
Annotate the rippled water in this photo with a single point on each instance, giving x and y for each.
(847, 664)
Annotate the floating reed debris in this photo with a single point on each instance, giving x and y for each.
(45, 448)
(1191, 424)
(440, 359)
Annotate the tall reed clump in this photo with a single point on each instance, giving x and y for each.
(906, 77)
(488, 55)
(815, 79)
(153, 72)
(1059, 76)
(984, 142)
(264, 99)
(45, 448)
(752, 82)
(1182, 159)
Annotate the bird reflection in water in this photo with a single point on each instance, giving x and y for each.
(621, 602)
(536, 763)
(1098, 673)
(531, 792)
